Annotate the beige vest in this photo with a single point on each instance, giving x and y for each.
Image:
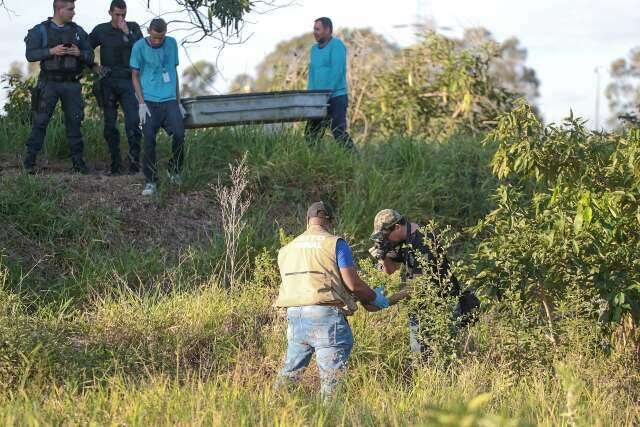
(310, 273)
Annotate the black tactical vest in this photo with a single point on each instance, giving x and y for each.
(115, 50)
(62, 65)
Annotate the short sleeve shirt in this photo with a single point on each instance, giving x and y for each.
(153, 63)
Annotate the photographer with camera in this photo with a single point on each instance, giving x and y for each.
(396, 243)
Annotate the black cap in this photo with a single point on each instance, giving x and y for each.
(319, 210)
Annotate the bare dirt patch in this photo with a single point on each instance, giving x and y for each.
(174, 220)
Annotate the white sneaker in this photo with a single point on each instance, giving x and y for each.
(149, 189)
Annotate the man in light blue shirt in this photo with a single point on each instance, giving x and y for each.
(154, 62)
(328, 71)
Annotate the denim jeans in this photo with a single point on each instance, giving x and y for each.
(165, 115)
(336, 119)
(319, 329)
(416, 344)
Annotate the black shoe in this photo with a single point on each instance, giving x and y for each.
(30, 164)
(79, 166)
(134, 167)
(116, 169)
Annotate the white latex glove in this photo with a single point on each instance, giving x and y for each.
(143, 112)
(182, 110)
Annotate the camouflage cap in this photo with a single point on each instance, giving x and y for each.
(385, 219)
(319, 210)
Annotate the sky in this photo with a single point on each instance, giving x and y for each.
(567, 40)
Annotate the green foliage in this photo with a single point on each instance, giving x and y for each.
(120, 332)
(566, 214)
(34, 207)
(198, 79)
(431, 303)
(438, 87)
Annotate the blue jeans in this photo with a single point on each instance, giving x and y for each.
(165, 115)
(323, 330)
(336, 119)
(416, 344)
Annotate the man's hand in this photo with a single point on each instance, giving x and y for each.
(101, 71)
(381, 301)
(122, 25)
(59, 50)
(143, 112)
(73, 50)
(376, 253)
(380, 254)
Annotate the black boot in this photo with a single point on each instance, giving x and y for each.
(116, 167)
(29, 163)
(134, 166)
(79, 166)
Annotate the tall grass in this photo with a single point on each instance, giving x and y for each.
(120, 333)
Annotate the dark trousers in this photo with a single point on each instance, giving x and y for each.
(337, 121)
(119, 92)
(70, 94)
(165, 115)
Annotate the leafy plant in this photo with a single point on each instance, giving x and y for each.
(567, 213)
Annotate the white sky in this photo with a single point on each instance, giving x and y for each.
(566, 39)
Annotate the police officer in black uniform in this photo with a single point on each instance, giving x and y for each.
(63, 49)
(116, 38)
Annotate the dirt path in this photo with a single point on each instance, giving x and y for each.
(172, 222)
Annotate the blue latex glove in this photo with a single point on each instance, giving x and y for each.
(381, 301)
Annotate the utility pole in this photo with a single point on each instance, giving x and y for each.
(597, 71)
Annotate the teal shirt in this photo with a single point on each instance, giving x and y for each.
(152, 63)
(328, 68)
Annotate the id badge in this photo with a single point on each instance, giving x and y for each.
(165, 77)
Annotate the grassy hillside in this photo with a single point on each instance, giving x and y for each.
(112, 308)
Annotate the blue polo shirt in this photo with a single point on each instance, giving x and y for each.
(344, 254)
(152, 64)
(328, 68)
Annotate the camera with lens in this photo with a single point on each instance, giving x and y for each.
(384, 246)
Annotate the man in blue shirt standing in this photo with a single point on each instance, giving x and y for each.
(154, 62)
(328, 71)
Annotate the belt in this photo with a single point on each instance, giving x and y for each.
(119, 74)
(59, 78)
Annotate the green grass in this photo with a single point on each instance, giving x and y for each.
(122, 333)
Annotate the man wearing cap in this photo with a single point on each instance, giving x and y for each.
(320, 287)
(396, 243)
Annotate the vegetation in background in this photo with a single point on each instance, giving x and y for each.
(100, 326)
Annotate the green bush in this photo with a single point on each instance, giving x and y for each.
(567, 215)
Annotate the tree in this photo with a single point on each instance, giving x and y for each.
(508, 66)
(221, 20)
(439, 87)
(197, 80)
(623, 93)
(19, 72)
(370, 55)
(243, 83)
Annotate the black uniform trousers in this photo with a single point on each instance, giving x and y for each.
(70, 94)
